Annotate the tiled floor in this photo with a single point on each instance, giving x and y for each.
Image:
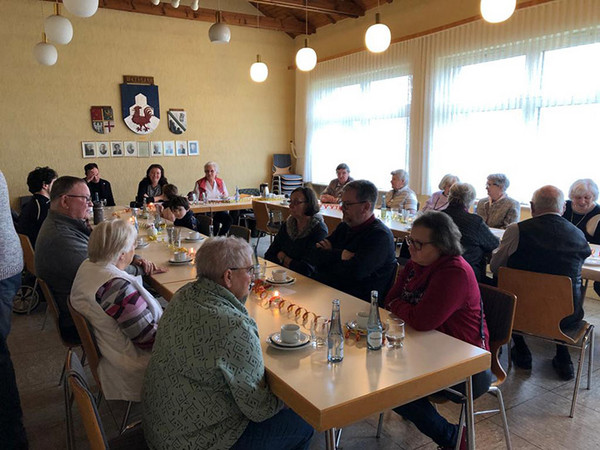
(537, 402)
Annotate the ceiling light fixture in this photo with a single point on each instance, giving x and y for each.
(495, 11)
(155, 2)
(81, 8)
(58, 28)
(306, 57)
(195, 5)
(175, 3)
(258, 70)
(219, 33)
(378, 36)
(45, 53)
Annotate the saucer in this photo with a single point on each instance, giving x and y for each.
(287, 349)
(180, 263)
(275, 339)
(144, 245)
(289, 280)
(190, 239)
(353, 326)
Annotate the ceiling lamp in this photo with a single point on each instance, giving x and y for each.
(219, 33)
(259, 71)
(175, 3)
(58, 28)
(195, 5)
(45, 53)
(155, 2)
(306, 58)
(378, 36)
(495, 11)
(81, 8)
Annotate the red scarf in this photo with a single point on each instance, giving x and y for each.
(202, 185)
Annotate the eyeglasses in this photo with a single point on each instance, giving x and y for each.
(87, 198)
(249, 270)
(295, 203)
(418, 245)
(346, 205)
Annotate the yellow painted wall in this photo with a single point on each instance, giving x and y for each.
(45, 111)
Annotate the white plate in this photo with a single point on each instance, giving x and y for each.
(592, 261)
(286, 349)
(189, 239)
(275, 339)
(353, 326)
(289, 280)
(146, 244)
(180, 263)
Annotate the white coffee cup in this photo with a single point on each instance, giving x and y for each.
(362, 319)
(290, 333)
(180, 256)
(140, 242)
(195, 235)
(280, 275)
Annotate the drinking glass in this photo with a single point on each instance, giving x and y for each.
(171, 234)
(319, 331)
(395, 333)
(177, 237)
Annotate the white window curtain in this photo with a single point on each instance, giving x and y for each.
(521, 99)
(358, 112)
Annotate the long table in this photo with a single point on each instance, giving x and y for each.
(330, 396)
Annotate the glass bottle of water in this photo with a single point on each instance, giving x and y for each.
(383, 208)
(374, 328)
(211, 232)
(237, 195)
(335, 338)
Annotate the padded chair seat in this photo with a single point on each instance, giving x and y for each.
(290, 177)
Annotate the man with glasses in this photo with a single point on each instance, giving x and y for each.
(62, 245)
(359, 255)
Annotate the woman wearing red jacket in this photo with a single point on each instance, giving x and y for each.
(215, 189)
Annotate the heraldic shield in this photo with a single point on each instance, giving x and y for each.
(140, 107)
(102, 119)
(177, 120)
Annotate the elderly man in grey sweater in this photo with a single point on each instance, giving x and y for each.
(62, 246)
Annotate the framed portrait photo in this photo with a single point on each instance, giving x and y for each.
(193, 149)
(181, 148)
(130, 148)
(157, 148)
(116, 149)
(103, 149)
(169, 148)
(143, 149)
(88, 149)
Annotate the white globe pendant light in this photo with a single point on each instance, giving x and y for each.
(378, 36)
(195, 5)
(155, 2)
(306, 58)
(219, 33)
(58, 28)
(175, 3)
(259, 71)
(81, 8)
(495, 11)
(45, 53)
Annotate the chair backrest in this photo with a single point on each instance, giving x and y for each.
(250, 191)
(85, 403)
(332, 223)
(28, 254)
(52, 306)
(499, 308)
(422, 199)
(241, 232)
(282, 163)
(261, 214)
(544, 300)
(203, 223)
(88, 342)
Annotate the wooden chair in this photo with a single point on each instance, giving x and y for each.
(77, 386)
(241, 232)
(53, 308)
(204, 223)
(263, 226)
(332, 223)
(27, 297)
(90, 347)
(544, 300)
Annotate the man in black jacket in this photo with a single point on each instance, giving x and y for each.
(99, 189)
(546, 243)
(359, 255)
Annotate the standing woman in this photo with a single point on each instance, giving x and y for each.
(437, 290)
(498, 210)
(301, 231)
(151, 187)
(439, 200)
(215, 189)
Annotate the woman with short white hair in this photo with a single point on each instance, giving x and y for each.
(214, 188)
(123, 315)
(498, 210)
(439, 200)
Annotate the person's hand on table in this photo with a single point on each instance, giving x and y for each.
(325, 244)
(284, 259)
(148, 267)
(326, 198)
(346, 255)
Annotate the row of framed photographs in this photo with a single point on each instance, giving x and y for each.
(118, 149)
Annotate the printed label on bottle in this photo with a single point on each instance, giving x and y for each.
(375, 339)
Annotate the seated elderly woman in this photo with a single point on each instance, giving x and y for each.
(401, 196)
(333, 191)
(214, 188)
(476, 238)
(437, 290)
(150, 189)
(123, 315)
(582, 211)
(299, 234)
(205, 386)
(498, 210)
(439, 200)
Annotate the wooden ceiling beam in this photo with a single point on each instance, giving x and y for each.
(347, 9)
(288, 25)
